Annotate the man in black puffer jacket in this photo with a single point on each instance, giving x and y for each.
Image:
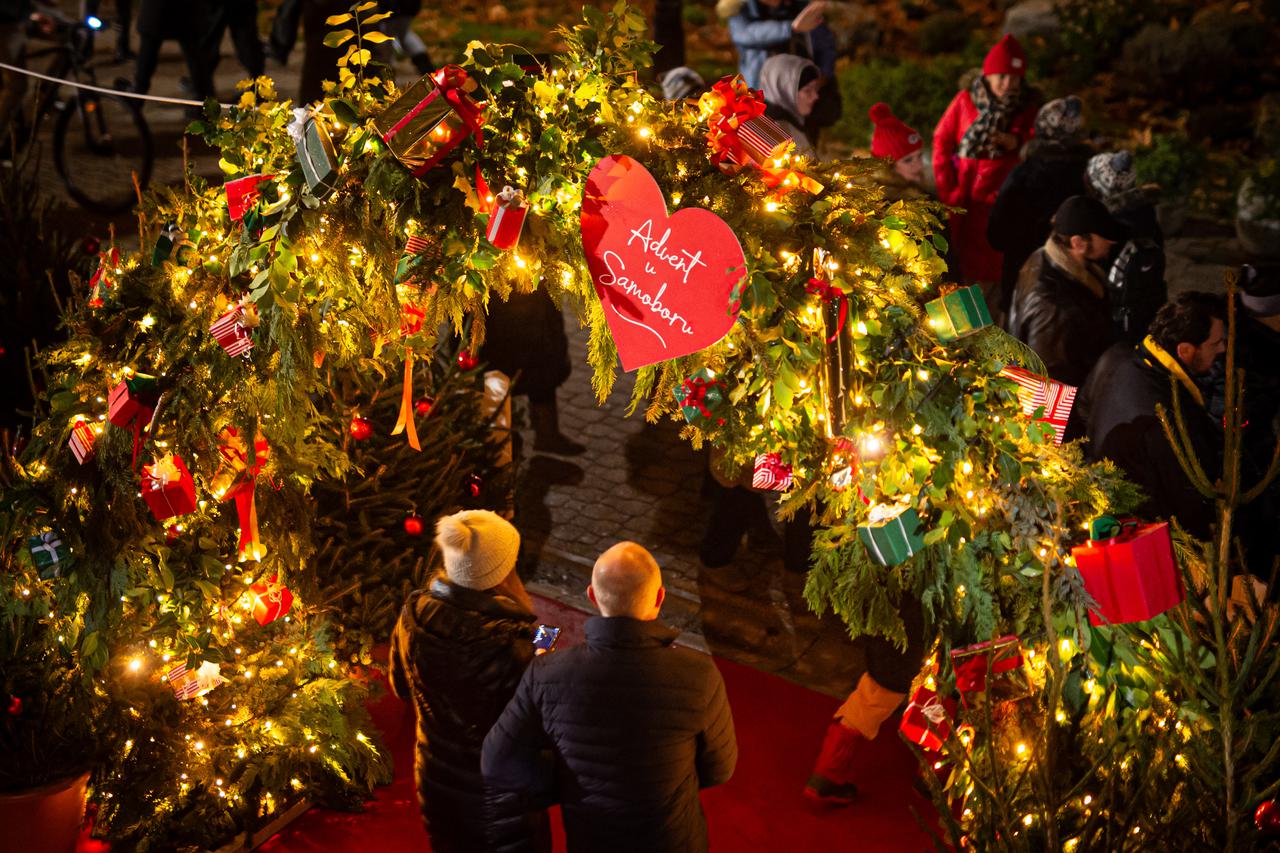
(636, 725)
(458, 652)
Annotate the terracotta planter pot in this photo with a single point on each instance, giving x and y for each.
(43, 820)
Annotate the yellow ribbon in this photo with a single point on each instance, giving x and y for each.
(1174, 367)
(405, 423)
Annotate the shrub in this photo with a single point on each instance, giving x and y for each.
(1172, 162)
(918, 92)
(945, 32)
(1093, 31)
(1197, 63)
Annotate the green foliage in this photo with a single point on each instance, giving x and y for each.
(918, 92)
(1092, 32)
(947, 31)
(1172, 162)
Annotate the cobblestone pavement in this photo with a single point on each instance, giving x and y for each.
(642, 482)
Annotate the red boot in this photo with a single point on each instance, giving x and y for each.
(832, 782)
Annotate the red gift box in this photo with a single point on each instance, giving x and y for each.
(1002, 659)
(230, 332)
(507, 218)
(168, 488)
(81, 441)
(243, 194)
(770, 472)
(927, 719)
(1035, 392)
(756, 141)
(269, 600)
(1133, 576)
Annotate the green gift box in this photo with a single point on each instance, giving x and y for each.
(318, 158)
(959, 313)
(700, 396)
(50, 554)
(892, 533)
(172, 244)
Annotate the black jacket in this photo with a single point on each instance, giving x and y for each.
(166, 19)
(458, 654)
(1060, 319)
(1020, 217)
(637, 727)
(1119, 404)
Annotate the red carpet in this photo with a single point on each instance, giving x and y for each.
(779, 727)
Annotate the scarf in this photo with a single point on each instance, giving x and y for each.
(1174, 367)
(1087, 273)
(994, 118)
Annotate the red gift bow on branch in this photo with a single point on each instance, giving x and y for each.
(451, 84)
(695, 393)
(729, 103)
(101, 280)
(829, 292)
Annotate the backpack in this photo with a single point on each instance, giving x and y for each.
(1136, 288)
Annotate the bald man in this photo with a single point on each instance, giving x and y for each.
(628, 725)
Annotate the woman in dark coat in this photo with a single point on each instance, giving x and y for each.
(459, 650)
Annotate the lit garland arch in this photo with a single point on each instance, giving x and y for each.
(927, 422)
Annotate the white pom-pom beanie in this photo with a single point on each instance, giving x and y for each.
(479, 547)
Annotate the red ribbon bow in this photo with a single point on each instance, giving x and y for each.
(971, 674)
(829, 293)
(102, 279)
(695, 393)
(729, 103)
(244, 489)
(451, 84)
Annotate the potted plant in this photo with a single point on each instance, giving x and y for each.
(48, 708)
(1176, 166)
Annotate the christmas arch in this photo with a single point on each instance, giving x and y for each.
(346, 235)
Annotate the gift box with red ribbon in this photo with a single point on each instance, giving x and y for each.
(231, 331)
(188, 683)
(243, 194)
(431, 118)
(927, 719)
(269, 600)
(82, 437)
(132, 400)
(1129, 570)
(738, 132)
(701, 398)
(507, 218)
(770, 472)
(168, 488)
(990, 670)
(236, 478)
(1042, 399)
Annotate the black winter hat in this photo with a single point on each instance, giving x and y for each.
(1080, 216)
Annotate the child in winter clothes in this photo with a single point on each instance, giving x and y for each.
(790, 85)
(894, 141)
(975, 146)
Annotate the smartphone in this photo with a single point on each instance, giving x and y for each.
(544, 639)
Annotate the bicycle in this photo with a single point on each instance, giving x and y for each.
(99, 165)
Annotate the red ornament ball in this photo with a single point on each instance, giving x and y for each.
(171, 533)
(474, 485)
(1267, 818)
(90, 245)
(360, 428)
(467, 361)
(413, 525)
(423, 406)
(15, 706)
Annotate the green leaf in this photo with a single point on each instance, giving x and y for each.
(344, 110)
(338, 38)
(335, 20)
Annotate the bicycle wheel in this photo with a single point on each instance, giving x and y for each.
(99, 143)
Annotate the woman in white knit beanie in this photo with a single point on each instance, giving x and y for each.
(459, 650)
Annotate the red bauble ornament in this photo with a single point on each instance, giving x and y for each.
(423, 406)
(15, 706)
(467, 361)
(90, 245)
(360, 428)
(171, 533)
(1267, 818)
(474, 485)
(413, 525)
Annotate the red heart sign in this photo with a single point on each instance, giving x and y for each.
(666, 282)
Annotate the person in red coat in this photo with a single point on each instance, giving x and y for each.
(975, 146)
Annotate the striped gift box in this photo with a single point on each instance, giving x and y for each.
(770, 472)
(184, 681)
(1036, 392)
(759, 139)
(81, 441)
(415, 245)
(229, 331)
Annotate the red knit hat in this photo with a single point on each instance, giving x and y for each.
(1006, 58)
(892, 138)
